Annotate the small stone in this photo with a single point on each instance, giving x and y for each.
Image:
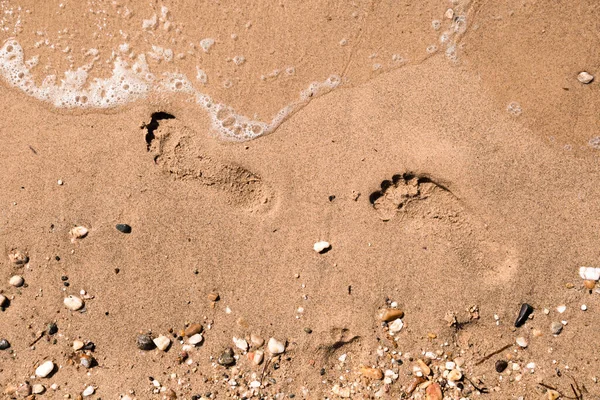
(396, 326)
(86, 361)
(192, 329)
(213, 296)
(162, 342)
(585, 77)
(79, 232)
(389, 314)
(342, 392)
(240, 343)
(44, 369)
(500, 366)
(258, 357)
(73, 303)
(556, 328)
(454, 375)
(371, 373)
(38, 389)
(433, 392)
(524, 313)
(537, 333)
(257, 340)
(322, 247)
(590, 285)
(226, 358)
(123, 228)
(77, 345)
(275, 346)
(88, 391)
(450, 365)
(3, 300)
(561, 309)
(17, 257)
(417, 380)
(196, 339)
(16, 281)
(4, 344)
(52, 328)
(424, 368)
(23, 390)
(308, 330)
(583, 307)
(145, 342)
(552, 394)
(522, 342)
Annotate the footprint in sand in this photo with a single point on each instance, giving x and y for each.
(180, 151)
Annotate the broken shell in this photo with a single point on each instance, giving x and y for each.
(18, 257)
(275, 346)
(395, 326)
(522, 342)
(79, 232)
(77, 345)
(389, 314)
(454, 375)
(240, 343)
(258, 357)
(371, 373)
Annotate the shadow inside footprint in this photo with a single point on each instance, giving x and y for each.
(180, 151)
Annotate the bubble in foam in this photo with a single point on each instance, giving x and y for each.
(201, 76)
(436, 24)
(594, 142)
(431, 49)
(239, 60)
(514, 108)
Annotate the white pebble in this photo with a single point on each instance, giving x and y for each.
(79, 232)
(240, 343)
(583, 307)
(561, 309)
(77, 345)
(258, 357)
(585, 77)
(88, 391)
(396, 326)
(162, 342)
(16, 281)
(44, 369)
(275, 346)
(196, 339)
(38, 389)
(522, 342)
(450, 365)
(73, 303)
(589, 273)
(321, 246)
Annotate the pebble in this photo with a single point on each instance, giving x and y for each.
(556, 328)
(583, 307)
(258, 357)
(226, 358)
(77, 345)
(3, 300)
(590, 285)
(257, 340)
(38, 389)
(424, 368)
(123, 228)
(389, 314)
(322, 247)
(79, 232)
(371, 373)
(23, 390)
(86, 361)
(73, 303)
(196, 339)
(450, 365)
(44, 369)
(561, 309)
(16, 281)
(454, 375)
(145, 342)
(90, 390)
(396, 326)
(162, 342)
(585, 77)
(52, 328)
(589, 273)
(192, 329)
(522, 342)
(342, 392)
(4, 344)
(275, 346)
(552, 394)
(524, 313)
(240, 343)
(417, 380)
(18, 257)
(213, 296)
(433, 392)
(500, 366)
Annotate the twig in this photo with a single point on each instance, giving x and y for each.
(558, 391)
(493, 354)
(37, 339)
(481, 390)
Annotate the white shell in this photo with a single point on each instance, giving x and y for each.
(73, 303)
(396, 326)
(77, 345)
(195, 339)
(44, 369)
(162, 342)
(589, 273)
(585, 77)
(321, 246)
(522, 342)
(240, 344)
(79, 232)
(275, 346)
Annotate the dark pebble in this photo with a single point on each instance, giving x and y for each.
(66, 284)
(501, 366)
(124, 228)
(4, 344)
(308, 330)
(525, 312)
(322, 372)
(144, 342)
(64, 278)
(276, 366)
(52, 328)
(90, 346)
(226, 358)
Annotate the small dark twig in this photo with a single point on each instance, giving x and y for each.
(481, 390)
(493, 354)
(37, 339)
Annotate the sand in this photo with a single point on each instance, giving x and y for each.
(432, 191)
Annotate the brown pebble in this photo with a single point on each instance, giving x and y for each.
(589, 284)
(372, 373)
(433, 392)
(214, 296)
(192, 329)
(423, 367)
(170, 394)
(552, 394)
(389, 314)
(417, 380)
(569, 285)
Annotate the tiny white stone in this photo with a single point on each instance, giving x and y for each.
(59, 182)
(546, 311)
(255, 384)
(275, 346)
(583, 307)
(77, 345)
(195, 339)
(522, 342)
(589, 273)
(394, 304)
(79, 232)
(449, 13)
(38, 389)
(531, 365)
(44, 369)
(162, 342)
(321, 246)
(450, 365)
(240, 343)
(342, 358)
(561, 309)
(396, 326)
(258, 357)
(88, 391)
(585, 77)
(16, 281)
(73, 303)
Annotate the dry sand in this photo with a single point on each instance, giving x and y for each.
(432, 192)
